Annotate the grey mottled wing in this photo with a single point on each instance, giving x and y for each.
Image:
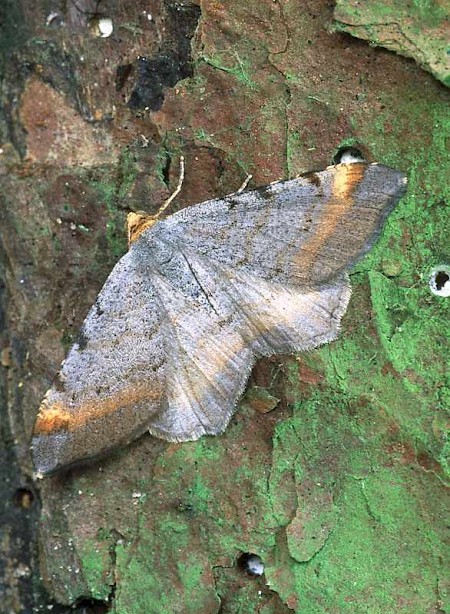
(302, 231)
(220, 321)
(173, 335)
(269, 265)
(112, 380)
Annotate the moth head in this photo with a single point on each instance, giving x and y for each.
(137, 223)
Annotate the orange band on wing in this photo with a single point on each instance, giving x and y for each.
(346, 179)
(55, 417)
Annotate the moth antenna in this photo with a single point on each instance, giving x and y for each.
(137, 222)
(245, 184)
(175, 193)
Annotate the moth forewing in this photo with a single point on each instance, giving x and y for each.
(171, 340)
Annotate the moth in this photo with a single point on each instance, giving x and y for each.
(169, 344)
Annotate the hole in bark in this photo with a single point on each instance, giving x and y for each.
(346, 155)
(23, 498)
(101, 26)
(251, 564)
(440, 280)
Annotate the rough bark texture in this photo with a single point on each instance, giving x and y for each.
(340, 488)
(417, 29)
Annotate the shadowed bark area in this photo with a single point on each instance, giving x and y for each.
(333, 469)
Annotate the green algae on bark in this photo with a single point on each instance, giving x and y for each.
(339, 489)
(415, 29)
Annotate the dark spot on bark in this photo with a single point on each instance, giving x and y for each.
(154, 75)
(173, 62)
(93, 606)
(98, 310)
